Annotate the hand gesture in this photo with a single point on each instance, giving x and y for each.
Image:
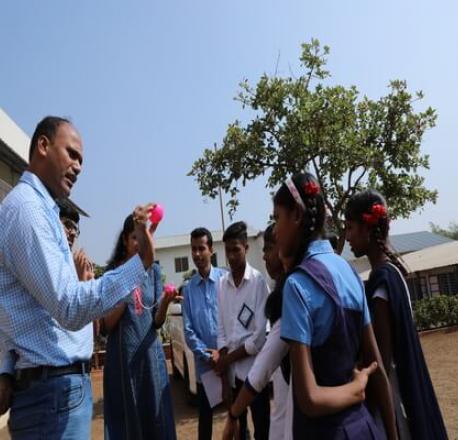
(84, 267)
(214, 356)
(170, 295)
(361, 377)
(144, 235)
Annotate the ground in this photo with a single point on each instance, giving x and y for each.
(441, 351)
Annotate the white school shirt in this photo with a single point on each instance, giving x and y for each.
(244, 303)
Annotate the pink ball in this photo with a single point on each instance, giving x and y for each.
(169, 288)
(156, 214)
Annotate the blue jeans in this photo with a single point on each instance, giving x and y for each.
(57, 408)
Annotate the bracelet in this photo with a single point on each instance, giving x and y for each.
(231, 416)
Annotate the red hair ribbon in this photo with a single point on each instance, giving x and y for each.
(311, 188)
(377, 212)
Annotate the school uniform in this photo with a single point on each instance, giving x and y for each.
(324, 307)
(242, 321)
(418, 415)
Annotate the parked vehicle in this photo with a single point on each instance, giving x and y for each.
(182, 357)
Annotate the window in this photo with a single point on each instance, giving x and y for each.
(181, 264)
(417, 288)
(214, 260)
(447, 283)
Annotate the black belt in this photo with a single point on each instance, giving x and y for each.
(25, 377)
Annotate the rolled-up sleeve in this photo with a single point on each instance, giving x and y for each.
(37, 259)
(255, 342)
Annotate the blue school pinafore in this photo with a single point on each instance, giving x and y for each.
(333, 363)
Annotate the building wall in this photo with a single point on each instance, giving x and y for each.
(430, 283)
(167, 257)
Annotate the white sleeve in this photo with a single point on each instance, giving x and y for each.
(255, 342)
(268, 359)
(381, 293)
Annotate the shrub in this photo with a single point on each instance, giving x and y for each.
(438, 311)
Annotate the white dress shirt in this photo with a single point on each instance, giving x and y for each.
(241, 318)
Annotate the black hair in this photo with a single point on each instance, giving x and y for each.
(269, 234)
(46, 127)
(312, 227)
(203, 232)
(120, 252)
(359, 206)
(333, 239)
(236, 231)
(68, 212)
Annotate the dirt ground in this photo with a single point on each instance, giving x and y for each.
(441, 351)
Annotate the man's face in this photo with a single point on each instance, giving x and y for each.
(201, 252)
(72, 230)
(236, 253)
(63, 159)
(271, 257)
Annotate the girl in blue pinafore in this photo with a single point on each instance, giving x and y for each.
(137, 398)
(326, 322)
(418, 414)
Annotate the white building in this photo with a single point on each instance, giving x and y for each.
(174, 254)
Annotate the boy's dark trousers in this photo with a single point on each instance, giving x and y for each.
(205, 414)
(260, 414)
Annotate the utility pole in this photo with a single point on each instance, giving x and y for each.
(220, 199)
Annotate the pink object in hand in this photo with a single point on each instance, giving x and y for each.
(156, 214)
(169, 289)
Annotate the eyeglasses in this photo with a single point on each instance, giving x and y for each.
(71, 226)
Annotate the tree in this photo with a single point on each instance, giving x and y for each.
(348, 142)
(451, 232)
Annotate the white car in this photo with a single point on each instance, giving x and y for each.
(182, 357)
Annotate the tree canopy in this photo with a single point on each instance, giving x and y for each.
(346, 140)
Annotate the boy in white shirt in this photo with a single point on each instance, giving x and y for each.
(242, 327)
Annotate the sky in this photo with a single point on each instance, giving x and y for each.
(150, 85)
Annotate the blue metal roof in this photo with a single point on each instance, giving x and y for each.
(406, 243)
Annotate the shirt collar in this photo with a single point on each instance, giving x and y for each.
(248, 274)
(34, 181)
(319, 247)
(212, 276)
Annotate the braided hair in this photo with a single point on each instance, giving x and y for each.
(310, 199)
(369, 207)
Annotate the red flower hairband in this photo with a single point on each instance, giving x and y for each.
(311, 188)
(377, 212)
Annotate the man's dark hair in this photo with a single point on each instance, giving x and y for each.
(269, 234)
(236, 231)
(46, 127)
(68, 212)
(203, 232)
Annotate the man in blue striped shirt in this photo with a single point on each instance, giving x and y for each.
(200, 318)
(45, 312)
